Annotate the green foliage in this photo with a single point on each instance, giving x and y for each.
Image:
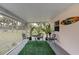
(31, 30)
(40, 29)
(46, 28)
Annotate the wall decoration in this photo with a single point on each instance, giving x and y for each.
(56, 26)
(70, 20)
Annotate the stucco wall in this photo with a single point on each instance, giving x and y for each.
(69, 34)
(9, 39)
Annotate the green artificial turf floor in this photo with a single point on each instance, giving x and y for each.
(37, 48)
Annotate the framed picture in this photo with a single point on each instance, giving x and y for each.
(56, 26)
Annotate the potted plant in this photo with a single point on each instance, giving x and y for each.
(30, 38)
(47, 29)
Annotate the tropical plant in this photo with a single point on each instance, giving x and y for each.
(40, 29)
(31, 30)
(36, 29)
(30, 38)
(47, 29)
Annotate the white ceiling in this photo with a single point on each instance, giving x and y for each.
(36, 12)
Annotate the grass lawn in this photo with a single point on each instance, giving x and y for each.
(37, 48)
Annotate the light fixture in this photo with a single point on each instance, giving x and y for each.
(10, 24)
(2, 23)
(1, 16)
(19, 23)
(34, 24)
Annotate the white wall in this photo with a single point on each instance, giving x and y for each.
(69, 34)
(9, 39)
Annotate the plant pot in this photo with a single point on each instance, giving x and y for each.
(30, 38)
(46, 38)
(38, 38)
